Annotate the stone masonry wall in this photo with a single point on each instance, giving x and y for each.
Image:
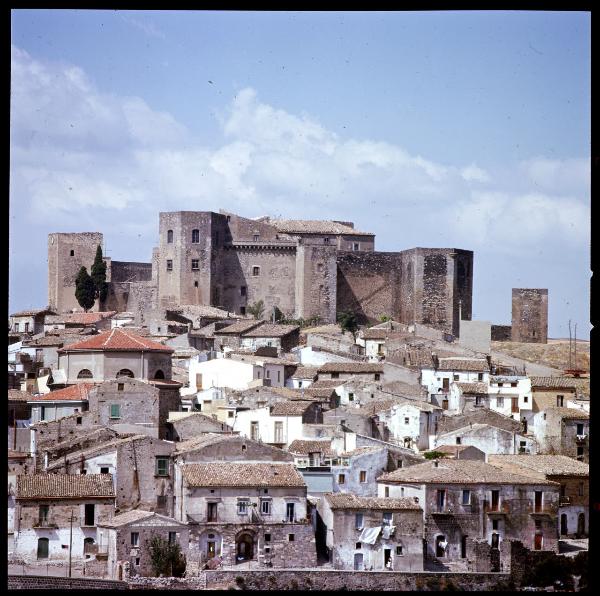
(501, 333)
(530, 315)
(38, 582)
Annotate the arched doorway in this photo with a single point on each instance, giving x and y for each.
(581, 524)
(159, 374)
(563, 525)
(244, 547)
(88, 547)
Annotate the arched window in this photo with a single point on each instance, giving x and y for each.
(85, 374)
(159, 374)
(88, 546)
(169, 236)
(195, 236)
(125, 372)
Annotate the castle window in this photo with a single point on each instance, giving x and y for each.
(85, 374)
(195, 264)
(195, 284)
(169, 265)
(377, 376)
(169, 236)
(195, 236)
(255, 271)
(72, 253)
(242, 290)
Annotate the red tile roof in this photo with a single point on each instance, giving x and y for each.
(117, 340)
(77, 392)
(81, 318)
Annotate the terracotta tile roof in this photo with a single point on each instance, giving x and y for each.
(472, 387)
(33, 312)
(242, 474)
(481, 416)
(80, 318)
(269, 330)
(326, 384)
(374, 406)
(64, 486)
(453, 449)
(304, 447)
(311, 226)
(322, 393)
(12, 454)
(77, 392)
(290, 408)
(351, 367)
(205, 439)
(18, 395)
(48, 341)
(404, 389)
(137, 515)
(253, 359)
(117, 340)
(373, 334)
(548, 465)
(362, 450)
(458, 471)
(464, 364)
(572, 413)
(350, 501)
(239, 327)
(306, 372)
(552, 383)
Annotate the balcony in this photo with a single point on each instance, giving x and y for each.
(495, 509)
(45, 522)
(544, 510)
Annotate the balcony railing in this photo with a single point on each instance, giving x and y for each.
(494, 509)
(45, 522)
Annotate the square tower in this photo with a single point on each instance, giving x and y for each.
(530, 315)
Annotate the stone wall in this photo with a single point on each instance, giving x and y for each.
(501, 333)
(38, 582)
(530, 315)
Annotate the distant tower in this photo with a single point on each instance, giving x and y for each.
(530, 315)
(67, 253)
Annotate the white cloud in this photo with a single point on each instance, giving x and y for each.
(472, 173)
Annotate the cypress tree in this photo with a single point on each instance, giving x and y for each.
(98, 272)
(85, 290)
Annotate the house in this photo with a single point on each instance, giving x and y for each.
(18, 405)
(24, 364)
(281, 337)
(60, 403)
(511, 395)
(54, 511)
(246, 512)
(436, 378)
(46, 349)
(345, 370)
(27, 322)
(356, 471)
(573, 477)
(229, 336)
(187, 425)
(279, 424)
(274, 372)
(551, 392)
(461, 452)
(372, 533)
(302, 377)
(99, 321)
(376, 342)
(127, 536)
(312, 453)
(563, 431)
(465, 499)
(115, 354)
(140, 467)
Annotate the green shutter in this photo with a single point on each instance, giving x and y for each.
(115, 411)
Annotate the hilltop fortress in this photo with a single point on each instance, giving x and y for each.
(305, 268)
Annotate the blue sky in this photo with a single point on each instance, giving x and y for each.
(464, 129)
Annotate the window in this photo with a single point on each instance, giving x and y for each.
(441, 499)
(526, 399)
(388, 518)
(161, 502)
(255, 237)
(265, 506)
(89, 514)
(399, 463)
(291, 537)
(478, 400)
(172, 537)
(406, 420)
(500, 402)
(230, 414)
(72, 253)
(162, 466)
(514, 384)
(267, 537)
(401, 491)
(494, 524)
(359, 521)
(242, 290)
(341, 478)
(387, 491)
(195, 284)
(466, 497)
(125, 372)
(78, 420)
(255, 271)
(377, 376)
(43, 514)
(279, 432)
(350, 396)
(85, 373)
(195, 236)
(16, 327)
(104, 470)
(169, 265)
(399, 550)
(135, 538)
(480, 376)
(195, 264)
(456, 377)
(169, 236)
(211, 513)
(326, 240)
(355, 246)
(495, 500)
(580, 429)
(580, 489)
(358, 545)
(254, 430)
(290, 512)
(26, 327)
(579, 453)
(335, 375)
(559, 401)
(115, 411)
(242, 507)
(363, 476)
(137, 561)
(242, 310)
(120, 386)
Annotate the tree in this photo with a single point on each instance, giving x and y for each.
(347, 321)
(85, 291)
(98, 272)
(257, 309)
(434, 455)
(279, 316)
(166, 557)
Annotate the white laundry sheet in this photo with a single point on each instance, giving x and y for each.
(369, 535)
(388, 531)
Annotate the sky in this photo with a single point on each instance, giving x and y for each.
(463, 129)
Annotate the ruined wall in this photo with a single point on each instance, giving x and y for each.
(530, 315)
(130, 271)
(501, 332)
(67, 253)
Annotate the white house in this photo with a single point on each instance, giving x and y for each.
(220, 372)
(511, 396)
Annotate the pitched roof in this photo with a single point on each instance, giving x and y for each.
(203, 440)
(350, 501)
(239, 327)
(480, 416)
(318, 393)
(312, 226)
(463, 364)
(242, 474)
(402, 388)
(552, 383)
(268, 330)
(351, 367)
(32, 312)
(453, 449)
(64, 486)
(47, 341)
(458, 471)
(304, 447)
(358, 451)
(118, 340)
(375, 406)
(548, 465)
(380, 333)
(18, 395)
(78, 392)
(290, 408)
(306, 372)
(260, 360)
(326, 384)
(472, 387)
(137, 515)
(80, 318)
(573, 413)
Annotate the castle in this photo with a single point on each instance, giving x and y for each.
(305, 268)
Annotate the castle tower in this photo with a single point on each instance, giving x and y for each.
(530, 315)
(67, 253)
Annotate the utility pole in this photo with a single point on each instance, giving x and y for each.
(71, 542)
(570, 344)
(575, 346)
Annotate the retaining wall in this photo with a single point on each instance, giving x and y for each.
(39, 582)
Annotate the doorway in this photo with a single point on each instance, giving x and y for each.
(244, 547)
(387, 558)
(563, 525)
(463, 547)
(495, 540)
(211, 549)
(358, 562)
(440, 546)
(538, 542)
(581, 524)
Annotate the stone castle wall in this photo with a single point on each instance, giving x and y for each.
(530, 315)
